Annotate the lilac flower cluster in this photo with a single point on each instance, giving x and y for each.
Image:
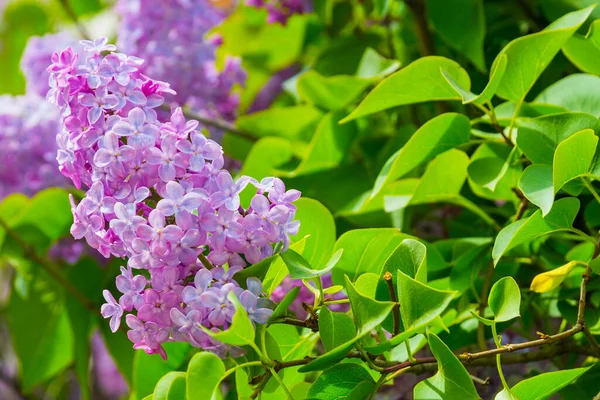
(278, 11)
(171, 35)
(28, 127)
(159, 196)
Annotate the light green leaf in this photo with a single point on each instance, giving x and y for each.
(486, 95)
(539, 137)
(172, 386)
(287, 122)
(420, 303)
(443, 178)
(528, 56)
(299, 268)
(436, 136)
(452, 381)
(407, 86)
(493, 171)
(560, 218)
(148, 369)
(366, 250)
(240, 332)
(50, 211)
(331, 93)
(339, 381)
(372, 65)
(318, 224)
(573, 157)
(410, 258)
(505, 299)
(536, 185)
(327, 148)
(335, 328)
(204, 374)
(41, 332)
(545, 385)
(364, 389)
(576, 92)
(461, 23)
(277, 270)
(584, 52)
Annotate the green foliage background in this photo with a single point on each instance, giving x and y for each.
(447, 153)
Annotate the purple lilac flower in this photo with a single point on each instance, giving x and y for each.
(158, 195)
(173, 37)
(28, 127)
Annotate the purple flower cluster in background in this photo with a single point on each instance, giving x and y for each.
(278, 11)
(159, 196)
(173, 37)
(28, 127)
(36, 58)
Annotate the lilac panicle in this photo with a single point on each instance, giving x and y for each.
(158, 196)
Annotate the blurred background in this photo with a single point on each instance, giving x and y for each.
(226, 60)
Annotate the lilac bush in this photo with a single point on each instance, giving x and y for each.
(279, 11)
(157, 195)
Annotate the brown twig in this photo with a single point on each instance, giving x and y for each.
(215, 122)
(387, 277)
(522, 205)
(417, 7)
(49, 267)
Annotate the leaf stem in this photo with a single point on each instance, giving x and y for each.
(499, 359)
(278, 379)
(71, 13)
(483, 299)
(590, 187)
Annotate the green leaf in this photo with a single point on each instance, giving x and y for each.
(381, 7)
(573, 157)
(362, 391)
(372, 65)
(443, 178)
(331, 93)
(368, 314)
(487, 94)
(240, 332)
(339, 381)
(366, 250)
(461, 23)
(277, 270)
(584, 52)
(265, 157)
(406, 86)
(420, 303)
(545, 385)
(528, 56)
(50, 211)
(148, 369)
(41, 332)
(505, 299)
(300, 269)
(335, 328)
(172, 386)
(576, 92)
(204, 374)
(452, 381)
(318, 224)
(410, 258)
(539, 137)
(536, 185)
(291, 123)
(560, 218)
(285, 303)
(327, 148)
(436, 136)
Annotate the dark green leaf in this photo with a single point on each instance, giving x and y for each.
(339, 381)
(335, 328)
